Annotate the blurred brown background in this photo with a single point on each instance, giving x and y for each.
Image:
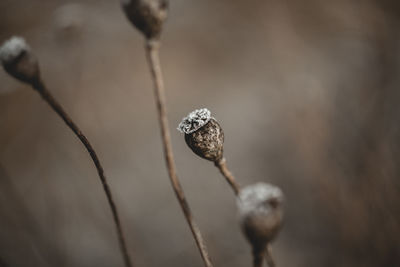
(307, 93)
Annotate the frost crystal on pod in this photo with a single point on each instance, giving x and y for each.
(194, 121)
(12, 48)
(254, 199)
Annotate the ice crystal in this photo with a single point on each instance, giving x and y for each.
(194, 121)
(12, 48)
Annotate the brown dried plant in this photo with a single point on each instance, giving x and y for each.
(19, 61)
(148, 17)
(260, 205)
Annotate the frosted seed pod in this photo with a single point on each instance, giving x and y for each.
(203, 134)
(18, 60)
(260, 213)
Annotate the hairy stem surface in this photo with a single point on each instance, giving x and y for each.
(46, 95)
(152, 48)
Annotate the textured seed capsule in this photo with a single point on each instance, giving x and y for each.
(203, 134)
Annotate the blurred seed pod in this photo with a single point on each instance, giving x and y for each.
(147, 16)
(69, 22)
(260, 213)
(18, 60)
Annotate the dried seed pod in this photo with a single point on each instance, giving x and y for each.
(203, 134)
(18, 60)
(147, 16)
(260, 213)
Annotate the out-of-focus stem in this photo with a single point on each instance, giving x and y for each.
(268, 256)
(40, 87)
(260, 253)
(258, 258)
(152, 48)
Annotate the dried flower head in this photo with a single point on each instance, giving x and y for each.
(203, 134)
(147, 16)
(260, 213)
(18, 61)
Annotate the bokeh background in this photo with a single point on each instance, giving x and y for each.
(307, 93)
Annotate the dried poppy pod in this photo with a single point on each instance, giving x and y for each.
(205, 138)
(18, 60)
(261, 215)
(203, 134)
(147, 16)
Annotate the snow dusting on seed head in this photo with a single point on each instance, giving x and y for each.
(194, 121)
(12, 48)
(254, 199)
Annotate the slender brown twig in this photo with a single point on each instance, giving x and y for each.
(221, 165)
(260, 253)
(152, 48)
(268, 256)
(258, 258)
(40, 87)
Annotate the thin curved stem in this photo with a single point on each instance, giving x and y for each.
(221, 165)
(152, 47)
(40, 87)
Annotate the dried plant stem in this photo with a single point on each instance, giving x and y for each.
(152, 48)
(40, 87)
(259, 254)
(268, 256)
(258, 257)
(221, 165)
